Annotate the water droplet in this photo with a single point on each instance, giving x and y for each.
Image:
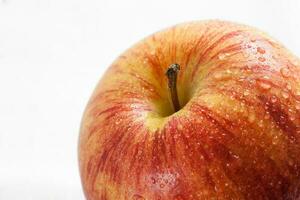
(180, 127)
(297, 95)
(228, 71)
(267, 116)
(138, 197)
(273, 99)
(265, 86)
(261, 59)
(292, 117)
(261, 50)
(291, 162)
(221, 56)
(252, 81)
(285, 94)
(261, 123)
(285, 72)
(162, 185)
(153, 180)
(218, 75)
(275, 141)
(297, 106)
(251, 117)
(246, 92)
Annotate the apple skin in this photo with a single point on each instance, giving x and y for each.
(236, 136)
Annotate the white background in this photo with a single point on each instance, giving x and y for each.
(53, 52)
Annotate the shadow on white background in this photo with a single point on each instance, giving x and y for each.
(53, 52)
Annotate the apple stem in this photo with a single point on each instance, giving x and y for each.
(171, 73)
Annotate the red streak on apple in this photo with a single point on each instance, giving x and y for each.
(236, 136)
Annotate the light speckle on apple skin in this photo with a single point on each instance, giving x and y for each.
(236, 137)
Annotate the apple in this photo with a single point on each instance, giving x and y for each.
(202, 110)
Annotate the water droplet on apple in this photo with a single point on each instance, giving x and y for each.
(236, 156)
(273, 99)
(180, 127)
(285, 94)
(288, 86)
(162, 185)
(292, 117)
(261, 123)
(261, 59)
(267, 116)
(138, 197)
(218, 75)
(271, 183)
(275, 141)
(265, 86)
(221, 56)
(153, 180)
(297, 94)
(176, 136)
(246, 92)
(261, 50)
(152, 52)
(285, 72)
(297, 105)
(228, 71)
(216, 188)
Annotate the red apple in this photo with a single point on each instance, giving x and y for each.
(233, 134)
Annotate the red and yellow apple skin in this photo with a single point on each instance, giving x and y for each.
(236, 136)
